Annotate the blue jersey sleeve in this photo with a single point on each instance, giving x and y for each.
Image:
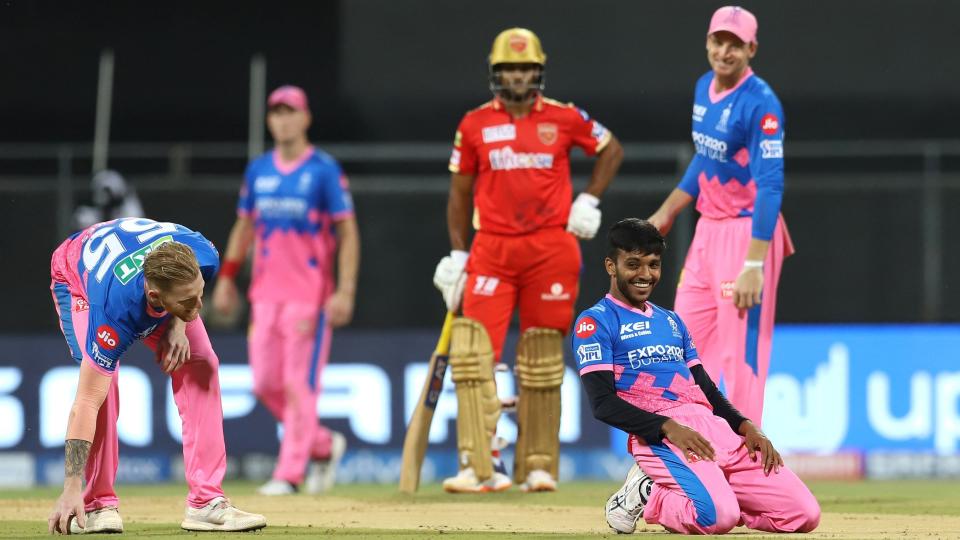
(690, 355)
(591, 343)
(336, 193)
(690, 183)
(106, 340)
(765, 136)
(245, 203)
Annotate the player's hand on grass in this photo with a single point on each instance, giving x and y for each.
(693, 445)
(173, 348)
(755, 440)
(747, 288)
(226, 298)
(339, 309)
(69, 504)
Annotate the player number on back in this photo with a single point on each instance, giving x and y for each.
(104, 246)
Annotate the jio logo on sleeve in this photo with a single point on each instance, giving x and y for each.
(106, 337)
(586, 327)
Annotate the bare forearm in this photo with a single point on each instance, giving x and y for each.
(757, 250)
(606, 167)
(348, 256)
(241, 236)
(675, 202)
(459, 211)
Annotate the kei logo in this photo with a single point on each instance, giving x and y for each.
(586, 327)
(107, 337)
(769, 124)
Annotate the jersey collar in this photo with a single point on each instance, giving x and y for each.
(646, 313)
(537, 103)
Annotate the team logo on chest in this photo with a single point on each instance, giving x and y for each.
(305, 180)
(547, 132)
(724, 118)
(674, 327)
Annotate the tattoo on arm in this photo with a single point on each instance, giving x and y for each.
(75, 453)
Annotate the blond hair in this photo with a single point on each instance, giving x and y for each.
(169, 264)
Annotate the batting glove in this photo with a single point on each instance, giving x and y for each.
(450, 277)
(584, 217)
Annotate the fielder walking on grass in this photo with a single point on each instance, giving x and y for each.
(295, 208)
(112, 284)
(702, 467)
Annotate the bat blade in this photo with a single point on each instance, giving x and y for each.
(418, 429)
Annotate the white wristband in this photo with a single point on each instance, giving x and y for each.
(459, 256)
(753, 264)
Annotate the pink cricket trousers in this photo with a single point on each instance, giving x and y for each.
(732, 344)
(713, 497)
(289, 344)
(196, 391)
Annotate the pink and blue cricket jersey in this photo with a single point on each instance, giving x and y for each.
(294, 207)
(738, 167)
(650, 353)
(103, 266)
(98, 291)
(737, 178)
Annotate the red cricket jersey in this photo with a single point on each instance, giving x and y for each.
(522, 165)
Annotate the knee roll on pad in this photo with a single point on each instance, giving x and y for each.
(539, 371)
(478, 407)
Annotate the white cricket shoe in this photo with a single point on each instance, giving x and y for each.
(539, 480)
(276, 488)
(101, 520)
(322, 474)
(625, 507)
(466, 482)
(220, 515)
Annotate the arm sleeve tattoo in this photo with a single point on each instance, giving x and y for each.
(75, 457)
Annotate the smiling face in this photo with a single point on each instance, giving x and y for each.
(633, 276)
(728, 55)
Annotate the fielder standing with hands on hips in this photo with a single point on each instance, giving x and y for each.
(510, 163)
(727, 290)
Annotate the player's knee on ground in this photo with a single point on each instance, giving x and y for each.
(726, 517)
(803, 515)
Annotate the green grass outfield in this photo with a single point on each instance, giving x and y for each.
(917, 498)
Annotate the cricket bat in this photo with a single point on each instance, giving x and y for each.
(418, 430)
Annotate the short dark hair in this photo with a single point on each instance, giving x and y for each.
(634, 234)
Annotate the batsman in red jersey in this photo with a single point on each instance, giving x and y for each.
(511, 163)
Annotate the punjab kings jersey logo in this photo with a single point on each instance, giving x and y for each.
(547, 132)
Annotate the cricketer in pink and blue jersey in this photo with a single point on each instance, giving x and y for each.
(738, 167)
(294, 208)
(103, 266)
(649, 352)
